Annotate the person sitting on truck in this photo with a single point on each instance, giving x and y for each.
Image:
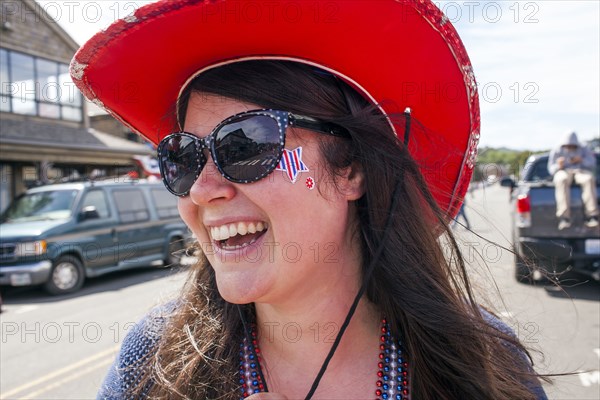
(573, 161)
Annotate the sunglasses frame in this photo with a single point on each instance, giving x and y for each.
(283, 120)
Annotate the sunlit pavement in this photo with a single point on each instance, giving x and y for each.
(61, 347)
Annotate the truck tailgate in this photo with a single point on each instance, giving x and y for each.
(543, 214)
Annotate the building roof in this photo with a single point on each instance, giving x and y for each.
(27, 140)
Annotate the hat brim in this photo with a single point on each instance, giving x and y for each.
(398, 54)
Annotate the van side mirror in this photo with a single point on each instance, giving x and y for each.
(507, 182)
(88, 212)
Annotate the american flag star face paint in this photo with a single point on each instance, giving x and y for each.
(291, 163)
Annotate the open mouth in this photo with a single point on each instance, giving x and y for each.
(237, 235)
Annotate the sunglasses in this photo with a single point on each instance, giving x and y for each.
(245, 147)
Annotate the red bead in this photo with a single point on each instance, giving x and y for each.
(384, 321)
(261, 386)
(383, 330)
(379, 374)
(382, 338)
(381, 347)
(379, 383)
(381, 356)
(257, 350)
(405, 392)
(404, 373)
(378, 392)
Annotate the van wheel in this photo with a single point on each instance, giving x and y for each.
(67, 276)
(175, 252)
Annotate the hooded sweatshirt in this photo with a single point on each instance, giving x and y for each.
(588, 159)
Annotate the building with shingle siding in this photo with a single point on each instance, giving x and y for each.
(45, 133)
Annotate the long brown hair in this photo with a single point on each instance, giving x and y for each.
(454, 351)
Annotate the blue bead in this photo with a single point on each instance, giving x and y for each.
(250, 348)
(384, 395)
(399, 378)
(398, 397)
(254, 374)
(241, 381)
(387, 351)
(251, 356)
(385, 386)
(255, 383)
(256, 391)
(399, 388)
(253, 365)
(386, 368)
(386, 378)
(387, 359)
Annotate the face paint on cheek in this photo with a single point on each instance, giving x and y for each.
(310, 183)
(291, 163)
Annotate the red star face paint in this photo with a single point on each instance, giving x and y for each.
(310, 183)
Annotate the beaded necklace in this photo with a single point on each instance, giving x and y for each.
(392, 373)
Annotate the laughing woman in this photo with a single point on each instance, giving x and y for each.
(318, 160)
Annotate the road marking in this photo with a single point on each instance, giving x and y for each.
(589, 378)
(52, 375)
(24, 309)
(69, 378)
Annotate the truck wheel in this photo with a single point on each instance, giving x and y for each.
(175, 252)
(67, 276)
(523, 273)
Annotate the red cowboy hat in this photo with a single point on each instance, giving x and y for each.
(397, 53)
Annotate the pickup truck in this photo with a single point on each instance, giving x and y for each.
(537, 242)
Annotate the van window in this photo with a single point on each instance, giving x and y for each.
(39, 206)
(131, 205)
(97, 199)
(166, 203)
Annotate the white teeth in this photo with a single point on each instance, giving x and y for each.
(224, 232)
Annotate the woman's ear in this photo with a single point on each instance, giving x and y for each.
(352, 182)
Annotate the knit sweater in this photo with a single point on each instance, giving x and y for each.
(143, 337)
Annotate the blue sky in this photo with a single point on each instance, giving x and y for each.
(537, 63)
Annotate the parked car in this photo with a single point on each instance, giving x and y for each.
(537, 240)
(59, 235)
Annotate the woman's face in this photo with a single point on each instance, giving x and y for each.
(303, 240)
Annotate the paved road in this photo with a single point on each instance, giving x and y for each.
(560, 326)
(60, 348)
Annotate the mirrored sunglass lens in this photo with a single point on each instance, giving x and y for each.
(179, 162)
(248, 148)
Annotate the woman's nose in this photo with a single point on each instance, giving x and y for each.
(211, 186)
